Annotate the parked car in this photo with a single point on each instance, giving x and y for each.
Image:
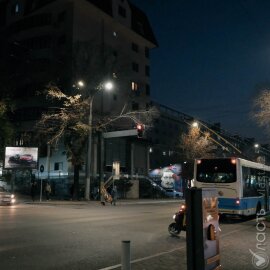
(6, 198)
(173, 193)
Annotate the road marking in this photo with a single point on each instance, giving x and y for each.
(143, 259)
(166, 252)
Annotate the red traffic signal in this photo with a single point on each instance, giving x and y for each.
(140, 130)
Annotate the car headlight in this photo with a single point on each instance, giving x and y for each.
(12, 196)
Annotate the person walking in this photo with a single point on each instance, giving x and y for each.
(33, 190)
(48, 191)
(114, 195)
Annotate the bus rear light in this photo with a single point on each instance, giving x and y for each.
(199, 161)
(233, 161)
(237, 201)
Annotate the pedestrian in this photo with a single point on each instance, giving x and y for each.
(48, 191)
(114, 195)
(33, 190)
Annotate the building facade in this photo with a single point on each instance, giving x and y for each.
(64, 41)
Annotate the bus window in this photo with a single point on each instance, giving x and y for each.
(216, 171)
(251, 178)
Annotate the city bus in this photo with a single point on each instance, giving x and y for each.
(242, 185)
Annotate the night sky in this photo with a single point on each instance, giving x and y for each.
(213, 58)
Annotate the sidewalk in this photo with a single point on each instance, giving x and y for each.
(22, 199)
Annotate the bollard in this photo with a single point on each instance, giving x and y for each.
(126, 255)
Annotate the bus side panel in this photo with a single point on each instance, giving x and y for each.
(246, 207)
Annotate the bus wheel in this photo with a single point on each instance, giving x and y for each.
(258, 208)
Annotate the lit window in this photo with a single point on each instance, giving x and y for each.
(16, 8)
(134, 86)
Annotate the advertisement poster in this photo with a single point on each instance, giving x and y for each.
(169, 178)
(21, 157)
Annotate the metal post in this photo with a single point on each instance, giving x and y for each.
(101, 162)
(88, 169)
(48, 160)
(125, 255)
(131, 160)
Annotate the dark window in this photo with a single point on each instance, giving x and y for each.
(62, 16)
(147, 89)
(134, 47)
(135, 106)
(31, 22)
(115, 54)
(135, 67)
(147, 70)
(58, 166)
(114, 97)
(146, 52)
(62, 39)
(216, 171)
(122, 11)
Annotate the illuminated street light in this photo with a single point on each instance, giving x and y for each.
(256, 145)
(81, 83)
(106, 86)
(196, 124)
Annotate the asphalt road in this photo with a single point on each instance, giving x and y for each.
(89, 237)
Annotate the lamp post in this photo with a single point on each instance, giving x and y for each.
(106, 86)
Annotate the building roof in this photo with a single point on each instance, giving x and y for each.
(139, 21)
(140, 24)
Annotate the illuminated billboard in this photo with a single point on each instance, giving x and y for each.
(168, 177)
(21, 157)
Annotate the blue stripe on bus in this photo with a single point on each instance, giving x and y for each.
(245, 203)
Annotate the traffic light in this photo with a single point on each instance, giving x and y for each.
(140, 130)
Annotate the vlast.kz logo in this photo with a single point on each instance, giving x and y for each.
(260, 260)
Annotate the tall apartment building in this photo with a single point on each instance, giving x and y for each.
(63, 41)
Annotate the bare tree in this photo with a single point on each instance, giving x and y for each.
(261, 112)
(6, 128)
(69, 121)
(196, 144)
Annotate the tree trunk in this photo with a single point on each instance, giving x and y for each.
(76, 194)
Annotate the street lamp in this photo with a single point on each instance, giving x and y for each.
(106, 86)
(196, 124)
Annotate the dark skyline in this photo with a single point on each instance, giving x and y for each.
(212, 60)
